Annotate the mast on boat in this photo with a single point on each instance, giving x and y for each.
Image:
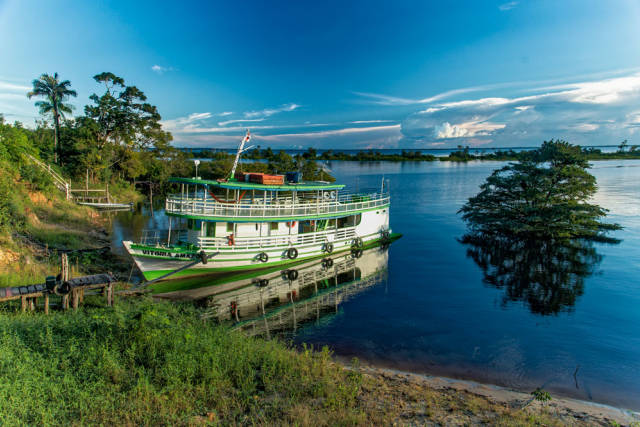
(241, 149)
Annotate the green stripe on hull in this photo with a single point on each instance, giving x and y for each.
(182, 280)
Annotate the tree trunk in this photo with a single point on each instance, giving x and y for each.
(56, 133)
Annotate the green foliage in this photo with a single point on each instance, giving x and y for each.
(541, 395)
(56, 93)
(155, 363)
(542, 196)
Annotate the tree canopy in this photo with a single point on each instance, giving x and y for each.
(544, 195)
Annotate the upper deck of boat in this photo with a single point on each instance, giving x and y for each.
(250, 202)
(233, 184)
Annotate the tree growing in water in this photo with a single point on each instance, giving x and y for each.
(56, 93)
(545, 196)
(532, 229)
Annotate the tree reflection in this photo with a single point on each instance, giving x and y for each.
(547, 275)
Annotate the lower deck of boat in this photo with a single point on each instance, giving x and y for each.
(211, 272)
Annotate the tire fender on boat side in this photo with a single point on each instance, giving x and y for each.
(327, 263)
(292, 275)
(357, 242)
(263, 257)
(328, 247)
(292, 253)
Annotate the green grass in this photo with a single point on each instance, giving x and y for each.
(155, 363)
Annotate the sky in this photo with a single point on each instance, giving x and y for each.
(341, 75)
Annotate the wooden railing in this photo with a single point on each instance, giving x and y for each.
(287, 208)
(58, 180)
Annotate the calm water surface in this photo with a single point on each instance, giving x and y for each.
(435, 314)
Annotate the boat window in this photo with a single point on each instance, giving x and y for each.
(273, 225)
(349, 221)
(193, 224)
(230, 227)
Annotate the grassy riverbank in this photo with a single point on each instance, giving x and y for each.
(157, 363)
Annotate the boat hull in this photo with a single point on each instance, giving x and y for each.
(155, 262)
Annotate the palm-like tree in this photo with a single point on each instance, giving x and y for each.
(56, 93)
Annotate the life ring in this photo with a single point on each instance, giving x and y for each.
(328, 247)
(231, 240)
(291, 224)
(263, 257)
(292, 253)
(292, 274)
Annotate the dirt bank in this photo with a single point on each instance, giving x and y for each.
(414, 399)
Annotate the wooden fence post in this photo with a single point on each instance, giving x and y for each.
(46, 303)
(75, 298)
(23, 303)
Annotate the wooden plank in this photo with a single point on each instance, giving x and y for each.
(75, 297)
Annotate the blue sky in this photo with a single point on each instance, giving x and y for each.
(412, 74)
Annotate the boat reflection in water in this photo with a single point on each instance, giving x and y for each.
(280, 303)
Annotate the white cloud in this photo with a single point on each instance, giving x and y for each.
(225, 113)
(14, 104)
(467, 129)
(584, 127)
(587, 112)
(160, 69)
(508, 6)
(267, 112)
(12, 87)
(358, 122)
(228, 122)
(332, 132)
(183, 123)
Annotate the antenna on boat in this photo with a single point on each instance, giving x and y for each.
(241, 150)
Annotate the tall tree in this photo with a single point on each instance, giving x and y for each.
(128, 127)
(544, 195)
(56, 93)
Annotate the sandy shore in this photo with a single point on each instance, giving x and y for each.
(425, 399)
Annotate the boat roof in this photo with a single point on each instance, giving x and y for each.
(241, 185)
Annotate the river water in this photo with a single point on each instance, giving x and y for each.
(436, 311)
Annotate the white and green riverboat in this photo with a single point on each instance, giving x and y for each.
(242, 226)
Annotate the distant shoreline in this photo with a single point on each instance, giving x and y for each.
(461, 155)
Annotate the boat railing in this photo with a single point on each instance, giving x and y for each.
(276, 208)
(240, 243)
(161, 237)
